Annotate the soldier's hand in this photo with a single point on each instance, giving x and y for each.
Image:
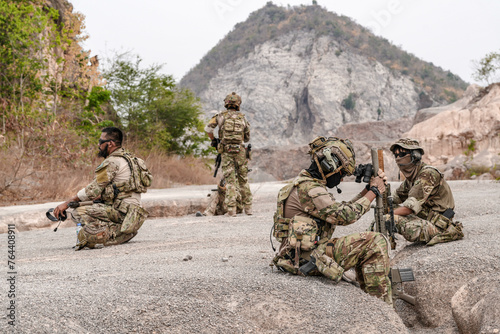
(60, 210)
(378, 182)
(214, 143)
(382, 175)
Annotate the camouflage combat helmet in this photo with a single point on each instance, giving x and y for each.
(332, 155)
(407, 143)
(232, 100)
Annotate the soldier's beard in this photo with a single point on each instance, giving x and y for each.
(103, 153)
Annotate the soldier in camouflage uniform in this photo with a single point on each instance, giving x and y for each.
(426, 203)
(116, 213)
(234, 130)
(307, 215)
(216, 205)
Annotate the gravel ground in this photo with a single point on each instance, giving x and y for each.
(192, 274)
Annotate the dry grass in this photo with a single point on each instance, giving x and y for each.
(43, 179)
(171, 171)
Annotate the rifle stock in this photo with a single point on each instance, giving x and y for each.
(398, 276)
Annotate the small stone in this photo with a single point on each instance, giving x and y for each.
(225, 259)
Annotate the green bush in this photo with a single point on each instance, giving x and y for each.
(349, 102)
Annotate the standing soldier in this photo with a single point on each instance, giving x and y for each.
(234, 130)
(426, 204)
(116, 213)
(307, 215)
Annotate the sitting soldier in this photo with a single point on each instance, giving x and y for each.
(426, 204)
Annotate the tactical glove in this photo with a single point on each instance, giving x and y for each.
(215, 142)
(378, 182)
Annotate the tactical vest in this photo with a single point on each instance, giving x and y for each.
(282, 224)
(140, 179)
(301, 234)
(232, 129)
(442, 199)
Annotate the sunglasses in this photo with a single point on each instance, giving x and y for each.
(401, 154)
(104, 141)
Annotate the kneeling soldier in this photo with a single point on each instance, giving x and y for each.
(307, 214)
(116, 213)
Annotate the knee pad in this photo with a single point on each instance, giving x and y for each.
(91, 235)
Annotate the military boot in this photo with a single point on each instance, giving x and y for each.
(248, 210)
(231, 212)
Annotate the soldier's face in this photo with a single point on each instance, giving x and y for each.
(103, 146)
(400, 152)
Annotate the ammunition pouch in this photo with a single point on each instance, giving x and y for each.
(134, 218)
(439, 220)
(281, 227)
(232, 148)
(303, 234)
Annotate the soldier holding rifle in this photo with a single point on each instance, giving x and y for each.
(115, 213)
(234, 130)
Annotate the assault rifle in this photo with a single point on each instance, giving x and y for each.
(384, 202)
(218, 159)
(248, 151)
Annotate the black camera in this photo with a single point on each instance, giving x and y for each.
(363, 171)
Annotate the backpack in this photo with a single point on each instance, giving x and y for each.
(233, 128)
(140, 176)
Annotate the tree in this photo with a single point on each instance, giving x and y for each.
(486, 67)
(154, 111)
(25, 30)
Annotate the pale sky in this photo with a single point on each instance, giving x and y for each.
(448, 33)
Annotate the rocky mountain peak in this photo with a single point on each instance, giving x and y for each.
(304, 71)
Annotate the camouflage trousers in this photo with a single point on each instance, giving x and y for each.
(366, 252)
(101, 224)
(235, 170)
(436, 230)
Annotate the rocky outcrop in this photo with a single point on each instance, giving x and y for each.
(375, 131)
(475, 306)
(424, 114)
(298, 86)
(468, 135)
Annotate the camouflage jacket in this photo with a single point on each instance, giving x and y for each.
(114, 169)
(219, 119)
(427, 192)
(317, 202)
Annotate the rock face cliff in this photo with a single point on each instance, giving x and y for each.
(464, 134)
(297, 87)
(303, 72)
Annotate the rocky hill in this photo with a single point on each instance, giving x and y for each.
(303, 71)
(468, 135)
(462, 139)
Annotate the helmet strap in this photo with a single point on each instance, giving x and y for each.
(321, 169)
